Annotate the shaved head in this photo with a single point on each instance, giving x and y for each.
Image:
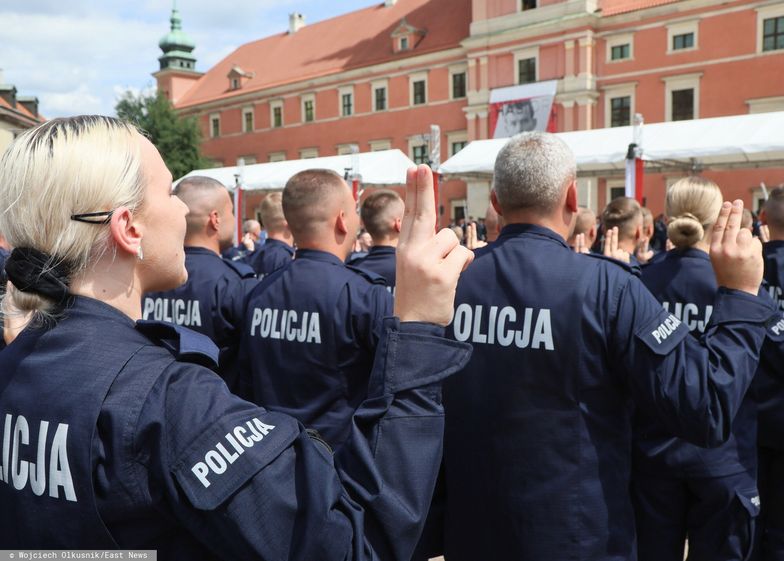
(380, 210)
(271, 211)
(310, 201)
(586, 219)
(206, 197)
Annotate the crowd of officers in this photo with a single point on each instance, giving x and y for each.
(616, 404)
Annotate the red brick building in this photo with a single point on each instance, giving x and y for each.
(379, 77)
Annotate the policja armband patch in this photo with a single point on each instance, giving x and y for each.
(663, 333)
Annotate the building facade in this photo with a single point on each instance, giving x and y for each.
(379, 78)
(17, 113)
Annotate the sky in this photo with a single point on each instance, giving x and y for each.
(78, 56)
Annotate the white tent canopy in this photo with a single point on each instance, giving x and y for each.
(722, 142)
(385, 167)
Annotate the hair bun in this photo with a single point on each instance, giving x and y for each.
(685, 230)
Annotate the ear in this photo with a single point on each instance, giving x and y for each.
(341, 223)
(494, 202)
(398, 224)
(214, 220)
(126, 233)
(571, 197)
(763, 217)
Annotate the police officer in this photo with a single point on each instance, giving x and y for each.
(681, 491)
(769, 394)
(382, 215)
(249, 246)
(311, 328)
(113, 434)
(278, 250)
(537, 455)
(625, 215)
(212, 301)
(585, 226)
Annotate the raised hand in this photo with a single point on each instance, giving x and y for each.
(642, 252)
(736, 254)
(579, 244)
(472, 240)
(611, 248)
(428, 265)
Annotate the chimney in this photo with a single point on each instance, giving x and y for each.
(296, 22)
(389, 3)
(30, 103)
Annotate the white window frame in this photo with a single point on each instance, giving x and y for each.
(308, 153)
(765, 104)
(522, 54)
(682, 82)
(245, 111)
(305, 98)
(681, 28)
(277, 156)
(763, 13)
(247, 160)
(520, 6)
(400, 46)
(456, 136)
(343, 91)
(617, 41)
(273, 106)
(413, 78)
(236, 83)
(460, 69)
(347, 148)
(377, 85)
(214, 116)
(619, 90)
(378, 145)
(416, 141)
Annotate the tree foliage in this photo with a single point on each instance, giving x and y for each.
(177, 138)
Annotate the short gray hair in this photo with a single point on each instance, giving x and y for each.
(532, 170)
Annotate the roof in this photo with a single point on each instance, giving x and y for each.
(21, 111)
(384, 167)
(615, 7)
(720, 142)
(354, 40)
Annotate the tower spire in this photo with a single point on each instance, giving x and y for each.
(177, 47)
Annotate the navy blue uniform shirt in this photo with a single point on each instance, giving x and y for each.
(211, 302)
(309, 337)
(273, 255)
(111, 440)
(380, 260)
(538, 436)
(241, 253)
(685, 284)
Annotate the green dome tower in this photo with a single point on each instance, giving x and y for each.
(177, 46)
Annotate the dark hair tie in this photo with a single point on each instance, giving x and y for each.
(31, 271)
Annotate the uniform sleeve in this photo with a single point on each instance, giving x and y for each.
(368, 307)
(252, 484)
(694, 387)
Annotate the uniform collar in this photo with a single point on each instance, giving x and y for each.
(198, 250)
(381, 250)
(318, 255)
(86, 306)
(285, 246)
(530, 230)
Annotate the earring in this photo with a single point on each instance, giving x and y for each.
(140, 253)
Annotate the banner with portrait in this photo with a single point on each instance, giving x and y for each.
(524, 108)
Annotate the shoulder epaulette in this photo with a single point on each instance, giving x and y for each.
(370, 276)
(244, 270)
(633, 269)
(186, 345)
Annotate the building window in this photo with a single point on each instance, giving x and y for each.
(215, 127)
(773, 34)
(682, 105)
(526, 70)
(457, 146)
(308, 110)
(380, 98)
(527, 5)
(277, 157)
(620, 52)
(419, 154)
(346, 104)
(308, 153)
(378, 145)
(277, 117)
(248, 121)
(420, 97)
(458, 85)
(620, 111)
(235, 83)
(682, 41)
(404, 43)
